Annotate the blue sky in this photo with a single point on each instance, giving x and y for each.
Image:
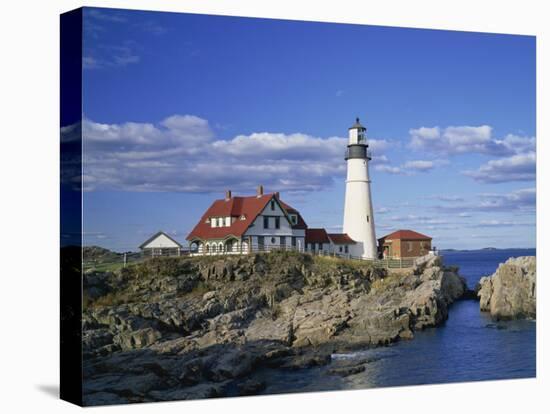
(179, 107)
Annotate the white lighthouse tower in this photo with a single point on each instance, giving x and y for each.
(358, 212)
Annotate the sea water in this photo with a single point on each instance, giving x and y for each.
(469, 346)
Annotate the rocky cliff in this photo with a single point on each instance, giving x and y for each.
(180, 328)
(510, 292)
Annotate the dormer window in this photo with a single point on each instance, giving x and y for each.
(294, 218)
(214, 222)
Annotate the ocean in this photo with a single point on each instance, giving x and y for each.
(468, 347)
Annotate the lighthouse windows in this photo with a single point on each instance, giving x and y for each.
(368, 218)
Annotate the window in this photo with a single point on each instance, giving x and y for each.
(273, 240)
(277, 222)
(320, 246)
(410, 246)
(346, 248)
(282, 241)
(266, 222)
(243, 217)
(367, 218)
(340, 249)
(293, 241)
(272, 205)
(228, 221)
(294, 218)
(261, 242)
(214, 222)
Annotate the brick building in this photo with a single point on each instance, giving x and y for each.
(404, 243)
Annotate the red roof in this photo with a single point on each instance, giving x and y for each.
(405, 235)
(247, 207)
(301, 224)
(317, 236)
(341, 238)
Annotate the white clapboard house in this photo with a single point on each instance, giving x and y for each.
(235, 225)
(161, 244)
(263, 222)
(320, 242)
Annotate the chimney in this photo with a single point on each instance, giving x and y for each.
(260, 191)
(277, 195)
(227, 195)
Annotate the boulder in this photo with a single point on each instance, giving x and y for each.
(510, 292)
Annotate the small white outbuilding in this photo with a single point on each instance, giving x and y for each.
(161, 244)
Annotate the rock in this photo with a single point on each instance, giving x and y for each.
(94, 339)
(251, 387)
(137, 339)
(510, 293)
(136, 385)
(199, 391)
(182, 328)
(347, 371)
(103, 398)
(308, 360)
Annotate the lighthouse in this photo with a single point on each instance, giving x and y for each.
(358, 212)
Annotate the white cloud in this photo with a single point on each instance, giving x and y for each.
(419, 165)
(468, 139)
(107, 15)
(109, 57)
(501, 223)
(409, 167)
(388, 169)
(519, 167)
(180, 153)
(445, 197)
(518, 144)
(518, 201)
(517, 162)
(524, 199)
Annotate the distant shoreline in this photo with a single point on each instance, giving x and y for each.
(487, 249)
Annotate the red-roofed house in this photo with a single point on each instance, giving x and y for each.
(404, 243)
(341, 243)
(236, 225)
(319, 241)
